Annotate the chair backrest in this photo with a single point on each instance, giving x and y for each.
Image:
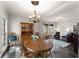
(57, 33)
(12, 36)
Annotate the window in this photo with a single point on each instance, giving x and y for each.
(44, 29)
(3, 35)
(48, 28)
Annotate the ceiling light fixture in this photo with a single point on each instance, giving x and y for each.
(35, 17)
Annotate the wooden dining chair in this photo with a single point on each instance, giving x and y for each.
(44, 54)
(25, 52)
(12, 39)
(49, 51)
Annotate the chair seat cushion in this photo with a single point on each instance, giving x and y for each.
(13, 38)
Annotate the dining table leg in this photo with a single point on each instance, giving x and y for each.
(44, 54)
(41, 54)
(38, 55)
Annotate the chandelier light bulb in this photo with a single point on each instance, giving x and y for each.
(30, 16)
(38, 16)
(33, 15)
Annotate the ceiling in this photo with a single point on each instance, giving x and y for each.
(48, 10)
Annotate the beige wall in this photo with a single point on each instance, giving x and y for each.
(63, 27)
(66, 26)
(13, 23)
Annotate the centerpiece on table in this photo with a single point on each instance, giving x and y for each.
(34, 37)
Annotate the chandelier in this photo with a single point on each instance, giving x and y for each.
(35, 17)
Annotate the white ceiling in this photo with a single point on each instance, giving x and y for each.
(46, 9)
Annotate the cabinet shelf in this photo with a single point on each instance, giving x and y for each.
(26, 28)
(26, 31)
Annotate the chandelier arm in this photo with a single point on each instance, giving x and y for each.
(35, 17)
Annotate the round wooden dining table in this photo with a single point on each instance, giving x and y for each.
(39, 45)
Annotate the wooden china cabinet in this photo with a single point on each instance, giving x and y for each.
(26, 29)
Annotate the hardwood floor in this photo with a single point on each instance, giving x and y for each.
(57, 52)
